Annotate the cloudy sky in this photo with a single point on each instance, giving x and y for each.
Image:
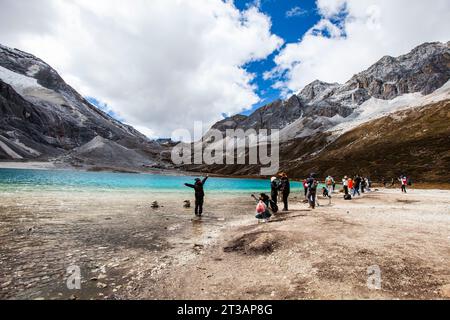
(160, 65)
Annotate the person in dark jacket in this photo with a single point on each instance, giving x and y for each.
(357, 186)
(274, 185)
(199, 194)
(285, 188)
(363, 185)
(312, 190)
(345, 185)
(325, 193)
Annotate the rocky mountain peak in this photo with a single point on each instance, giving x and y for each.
(229, 123)
(315, 89)
(319, 105)
(28, 65)
(424, 70)
(41, 116)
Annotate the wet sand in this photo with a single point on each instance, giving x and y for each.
(116, 239)
(127, 250)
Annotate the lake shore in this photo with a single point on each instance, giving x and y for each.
(36, 165)
(39, 165)
(127, 250)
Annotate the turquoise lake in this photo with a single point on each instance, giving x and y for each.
(67, 180)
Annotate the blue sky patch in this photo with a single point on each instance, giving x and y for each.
(291, 19)
(105, 108)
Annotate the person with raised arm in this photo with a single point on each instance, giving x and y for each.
(199, 194)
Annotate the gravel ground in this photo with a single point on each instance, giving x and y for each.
(329, 253)
(127, 250)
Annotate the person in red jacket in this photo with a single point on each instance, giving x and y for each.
(350, 184)
(404, 181)
(305, 187)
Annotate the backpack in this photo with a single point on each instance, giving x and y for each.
(261, 208)
(273, 206)
(347, 197)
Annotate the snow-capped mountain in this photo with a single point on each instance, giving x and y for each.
(320, 106)
(317, 117)
(399, 106)
(42, 117)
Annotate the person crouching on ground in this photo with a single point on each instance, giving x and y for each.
(262, 208)
(285, 188)
(199, 194)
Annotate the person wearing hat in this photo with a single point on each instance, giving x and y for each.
(199, 194)
(274, 185)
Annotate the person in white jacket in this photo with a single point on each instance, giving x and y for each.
(329, 182)
(345, 184)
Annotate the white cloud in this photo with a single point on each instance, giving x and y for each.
(296, 12)
(255, 3)
(330, 8)
(354, 34)
(159, 64)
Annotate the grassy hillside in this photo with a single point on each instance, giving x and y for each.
(415, 142)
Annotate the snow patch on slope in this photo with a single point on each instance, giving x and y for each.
(9, 151)
(370, 110)
(29, 88)
(304, 127)
(19, 82)
(43, 94)
(33, 70)
(20, 145)
(33, 92)
(376, 108)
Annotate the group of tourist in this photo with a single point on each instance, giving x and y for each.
(281, 188)
(281, 185)
(356, 186)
